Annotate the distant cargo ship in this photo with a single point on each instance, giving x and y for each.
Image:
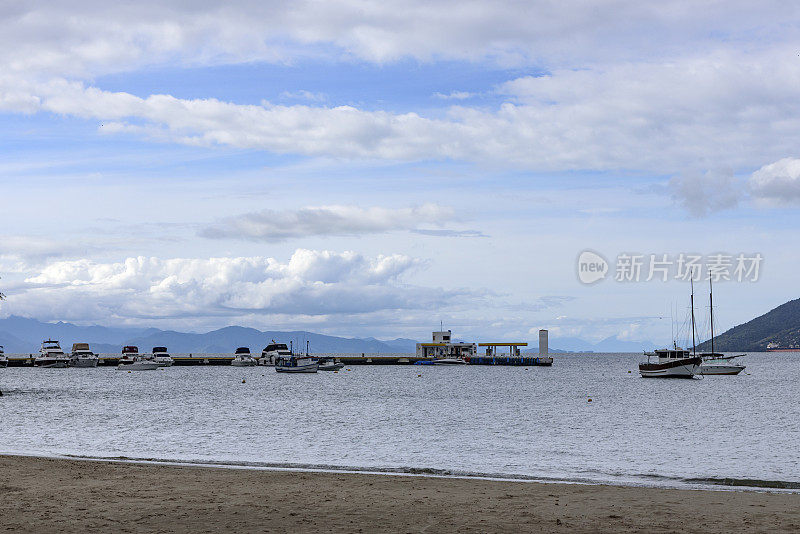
(774, 347)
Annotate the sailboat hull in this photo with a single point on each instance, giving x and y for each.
(721, 369)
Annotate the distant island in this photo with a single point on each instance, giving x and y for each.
(776, 329)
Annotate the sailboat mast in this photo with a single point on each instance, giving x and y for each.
(711, 303)
(694, 348)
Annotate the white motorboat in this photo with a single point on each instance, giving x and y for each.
(720, 369)
(139, 364)
(243, 358)
(161, 357)
(81, 356)
(329, 363)
(129, 354)
(296, 364)
(450, 361)
(272, 352)
(716, 363)
(51, 356)
(3, 358)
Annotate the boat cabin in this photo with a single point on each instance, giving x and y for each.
(243, 350)
(276, 347)
(160, 350)
(130, 349)
(672, 354)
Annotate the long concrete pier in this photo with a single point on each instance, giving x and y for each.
(107, 360)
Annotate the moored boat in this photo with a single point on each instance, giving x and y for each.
(82, 356)
(272, 352)
(720, 369)
(296, 364)
(51, 356)
(450, 361)
(161, 357)
(716, 363)
(140, 365)
(671, 363)
(129, 355)
(329, 363)
(243, 358)
(675, 362)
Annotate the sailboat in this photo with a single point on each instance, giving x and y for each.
(716, 363)
(673, 362)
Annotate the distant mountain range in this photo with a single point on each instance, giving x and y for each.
(779, 327)
(24, 335)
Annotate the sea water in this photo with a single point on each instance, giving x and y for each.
(588, 418)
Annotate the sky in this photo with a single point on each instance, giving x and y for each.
(381, 168)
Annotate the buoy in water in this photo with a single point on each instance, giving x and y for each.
(242, 380)
(590, 400)
(419, 376)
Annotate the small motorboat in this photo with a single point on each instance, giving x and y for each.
(51, 356)
(82, 356)
(139, 364)
(329, 363)
(161, 357)
(296, 364)
(243, 358)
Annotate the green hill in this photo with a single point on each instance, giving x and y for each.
(779, 327)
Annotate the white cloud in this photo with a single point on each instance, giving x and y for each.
(88, 37)
(777, 183)
(273, 225)
(311, 283)
(628, 92)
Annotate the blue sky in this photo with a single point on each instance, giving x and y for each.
(371, 169)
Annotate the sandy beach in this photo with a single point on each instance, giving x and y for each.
(59, 495)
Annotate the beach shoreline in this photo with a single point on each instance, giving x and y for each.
(43, 494)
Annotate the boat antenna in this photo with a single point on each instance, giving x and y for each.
(306, 347)
(711, 304)
(694, 347)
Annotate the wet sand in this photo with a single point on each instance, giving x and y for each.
(58, 495)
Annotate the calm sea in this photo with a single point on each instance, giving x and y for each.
(508, 422)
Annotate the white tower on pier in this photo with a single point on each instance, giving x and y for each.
(543, 350)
